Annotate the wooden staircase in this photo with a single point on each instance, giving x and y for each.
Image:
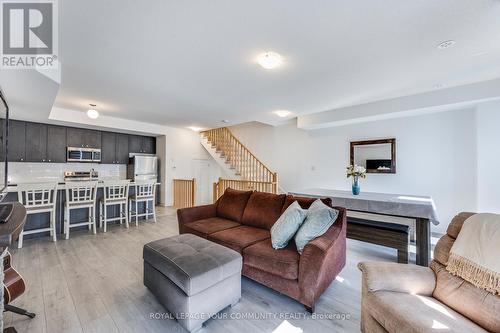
(250, 171)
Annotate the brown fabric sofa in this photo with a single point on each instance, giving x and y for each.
(241, 220)
(407, 298)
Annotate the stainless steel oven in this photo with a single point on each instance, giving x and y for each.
(89, 155)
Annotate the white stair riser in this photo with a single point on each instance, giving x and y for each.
(220, 160)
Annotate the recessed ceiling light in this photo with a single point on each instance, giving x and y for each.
(446, 44)
(269, 60)
(194, 128)
(282, 113)
(92, 113)
(479, 54)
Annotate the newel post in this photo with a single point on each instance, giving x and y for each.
(193, 191)
(275, 182)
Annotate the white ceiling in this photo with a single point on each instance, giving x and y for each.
(191, 63)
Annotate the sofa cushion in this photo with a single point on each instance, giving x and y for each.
(477, 304)
(240, 237)
(191, 262)
(205, 227)
(304, 202)
(232, 204)
(406, 313)
(263, 209)
(283, 263)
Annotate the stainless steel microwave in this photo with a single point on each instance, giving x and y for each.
(89, 155)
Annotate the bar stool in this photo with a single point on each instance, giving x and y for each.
(144, 192)
(115, 194)
(80, 195)
(37, 199)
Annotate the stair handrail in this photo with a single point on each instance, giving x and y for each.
(215, 137)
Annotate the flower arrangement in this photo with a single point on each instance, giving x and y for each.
(356, 172)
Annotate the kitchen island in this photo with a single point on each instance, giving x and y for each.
(40, 220)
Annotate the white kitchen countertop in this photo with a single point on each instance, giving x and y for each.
(61, 185)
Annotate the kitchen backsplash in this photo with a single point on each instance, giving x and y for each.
(54, 172)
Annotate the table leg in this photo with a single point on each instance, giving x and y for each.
(423, 240)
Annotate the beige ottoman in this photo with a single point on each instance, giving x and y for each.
(193, 278)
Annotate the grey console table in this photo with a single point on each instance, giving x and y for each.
(421, 209)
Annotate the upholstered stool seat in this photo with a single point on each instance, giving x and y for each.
(192, 277)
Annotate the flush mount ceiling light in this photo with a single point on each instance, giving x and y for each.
(92, 113)
(269, 60)
(194, 128)
(282, 113)
(225, 121)
(446, 44)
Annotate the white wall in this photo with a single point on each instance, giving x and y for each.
(184, 147)
(488, 129)
(436, 156)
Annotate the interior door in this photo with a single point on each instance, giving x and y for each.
(201, 172)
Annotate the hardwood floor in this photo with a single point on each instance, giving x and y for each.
(93, 283)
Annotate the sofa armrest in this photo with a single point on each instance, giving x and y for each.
(410, 279)
(322, 260)
(191, 214)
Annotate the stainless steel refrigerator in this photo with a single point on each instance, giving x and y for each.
(143, 167)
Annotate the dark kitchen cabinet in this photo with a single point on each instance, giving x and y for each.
(17, 141)
(93, 138)
(75, 137)
(45, 143)
(114, 148)
(36, 142)
(122, 148)
(142, 144)
(149, 145)
(108, 148)
(83, 138)
(56, 144)
(2, 135)
(135, 143)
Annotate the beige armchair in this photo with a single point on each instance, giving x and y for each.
(407, 298)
